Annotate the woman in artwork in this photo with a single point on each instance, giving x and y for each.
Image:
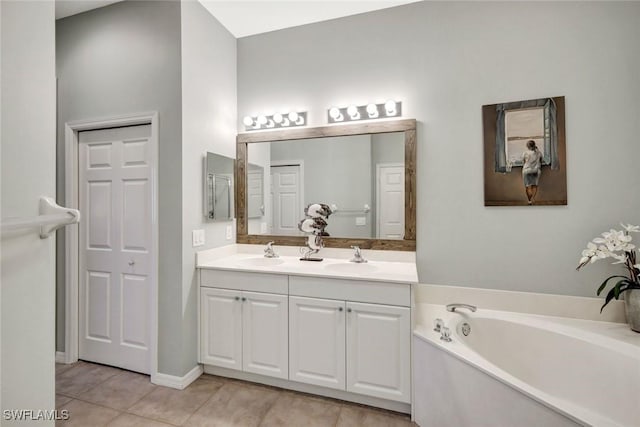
(531, 170)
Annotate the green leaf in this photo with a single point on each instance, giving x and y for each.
(608, 299)
(604, 284)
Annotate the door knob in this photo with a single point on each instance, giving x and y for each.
(132, 262)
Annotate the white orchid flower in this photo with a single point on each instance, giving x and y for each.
(631, 228)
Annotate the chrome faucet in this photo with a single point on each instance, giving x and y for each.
(268, 251)
(357, 256)
(452, 307)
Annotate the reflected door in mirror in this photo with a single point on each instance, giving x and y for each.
(285, 200)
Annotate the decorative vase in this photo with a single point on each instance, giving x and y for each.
(632, 308)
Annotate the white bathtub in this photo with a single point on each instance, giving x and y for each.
(525, 370)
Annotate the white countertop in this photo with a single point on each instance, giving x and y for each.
(382, 266)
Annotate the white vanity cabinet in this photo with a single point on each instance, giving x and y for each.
(378, 351)
(244, 330)
(334, 336)
(360, 347)
(317, 342)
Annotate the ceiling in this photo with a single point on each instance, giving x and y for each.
(244, 18)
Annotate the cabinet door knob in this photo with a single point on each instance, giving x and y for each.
(340, 309)
(237, 298)
(348, 310)
(244, 298)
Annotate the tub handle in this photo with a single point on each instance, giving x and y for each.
(452, 307)
(446, 334)
(438, 324)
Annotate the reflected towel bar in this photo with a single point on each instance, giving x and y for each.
(50, 219)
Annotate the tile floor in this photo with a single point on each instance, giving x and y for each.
(97, 395)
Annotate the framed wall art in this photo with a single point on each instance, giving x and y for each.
(525, 153)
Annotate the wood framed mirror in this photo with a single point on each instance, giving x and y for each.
(367, 214)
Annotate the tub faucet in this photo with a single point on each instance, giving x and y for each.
(452, 307)
(357, 256)
(268, 251)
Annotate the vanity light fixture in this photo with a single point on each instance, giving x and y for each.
(370, 111)
(277, 120)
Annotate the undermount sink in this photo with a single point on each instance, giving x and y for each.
(260, 262)
(351, 267)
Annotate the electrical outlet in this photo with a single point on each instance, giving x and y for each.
(197, 237)
(229, 232)
(361, 220)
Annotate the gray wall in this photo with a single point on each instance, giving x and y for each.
(28, 171)
(122, 59)
(336, 171)
(208, 124)
(445, 60)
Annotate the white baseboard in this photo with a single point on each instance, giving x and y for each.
(61, 357)
(179, 383)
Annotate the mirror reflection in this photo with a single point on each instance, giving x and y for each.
(361, 177)
(218, 187)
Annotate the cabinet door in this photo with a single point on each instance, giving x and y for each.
(221, 328)
(317, 342)
(378, 351)
(265, 334)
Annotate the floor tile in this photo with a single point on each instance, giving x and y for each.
(357, 416)
(175, 406)
(301, 410)
(121, 391)
(83, 414)
(83, 377)
(129, 420)
(235, 404)
(61, 400)
(61, 367)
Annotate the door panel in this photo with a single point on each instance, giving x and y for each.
(286, 204)
(378, 351)
(135, 310)
(115, 173)
(317, 342)
(98, 298)
(265, 334)
(221, 328)
(98, 211)
(390, 201)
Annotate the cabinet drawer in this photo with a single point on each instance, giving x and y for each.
(242, 280)
(351, 290)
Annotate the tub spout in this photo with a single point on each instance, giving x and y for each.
(452, 307)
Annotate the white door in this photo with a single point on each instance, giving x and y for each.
(265, 334)
(390, 201)
(221, 328)
(255, 201)
(317, 342)
(116, 255)
(285, 200)
(378, 351)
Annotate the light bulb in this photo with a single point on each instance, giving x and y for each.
(300, 121)
(334, 113)
(372, 110)
(277, 117)
(262, 120)
(293, 116)
(248, 121)
(352, 111)
(390, 108)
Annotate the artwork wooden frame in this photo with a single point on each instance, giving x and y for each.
(504, 181)
(408, 126)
